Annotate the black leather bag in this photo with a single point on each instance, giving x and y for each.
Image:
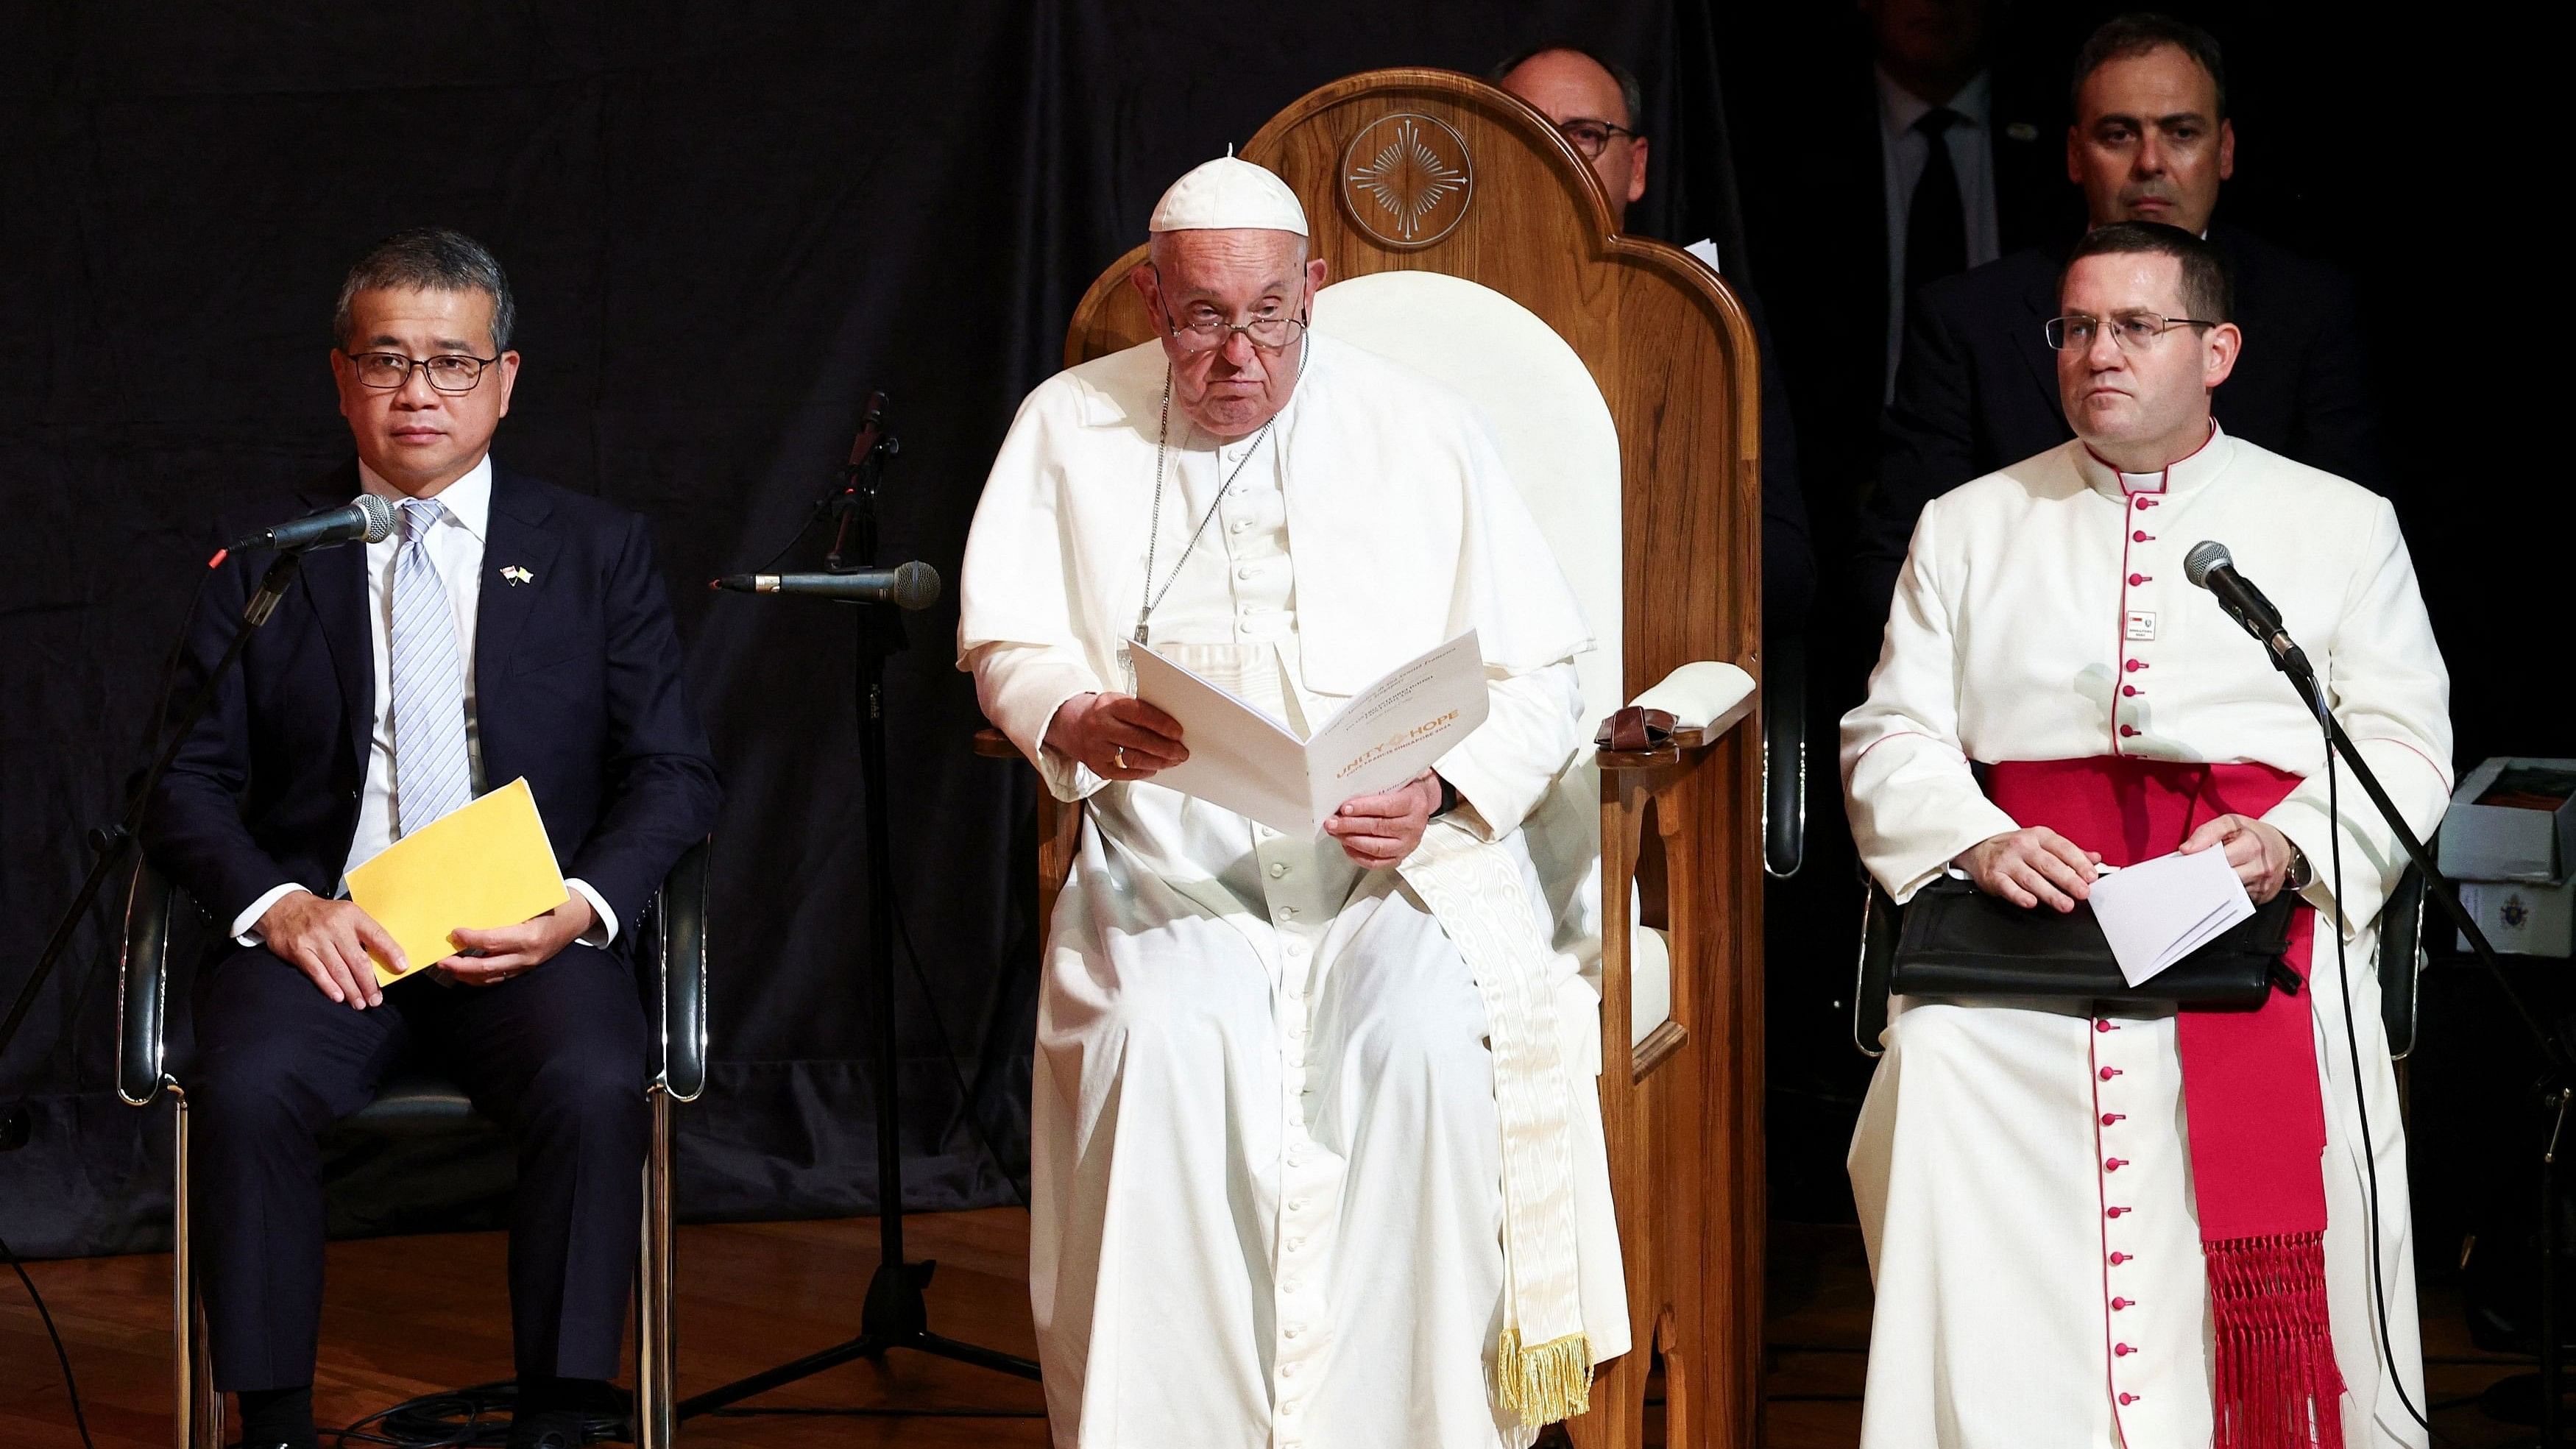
(1959, 941)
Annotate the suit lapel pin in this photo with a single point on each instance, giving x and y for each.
(517, 575)
(2022, 131)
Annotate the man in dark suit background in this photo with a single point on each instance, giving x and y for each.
(2151, 142)
(508, 629)
(1595, 103)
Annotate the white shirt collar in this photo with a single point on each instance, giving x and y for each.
(468, 500)
(2182, 475)
(1899, 108)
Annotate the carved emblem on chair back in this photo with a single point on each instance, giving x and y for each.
(1407, 179)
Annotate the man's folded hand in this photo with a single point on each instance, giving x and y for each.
(2027, 867)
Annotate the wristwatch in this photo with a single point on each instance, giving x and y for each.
(2301, 876)
(1448, 797)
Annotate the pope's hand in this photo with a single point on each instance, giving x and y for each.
(1382, 829)
(1118, 736)
(2259, 853)
(2029, 866)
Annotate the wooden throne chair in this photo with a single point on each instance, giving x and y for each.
(1467, 240)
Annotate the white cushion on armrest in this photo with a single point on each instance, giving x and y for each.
(1697, 693)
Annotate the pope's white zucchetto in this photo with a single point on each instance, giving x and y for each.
(1229, 194)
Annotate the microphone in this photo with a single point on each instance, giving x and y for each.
(2211, 567)
(906, 586)
(368, 517)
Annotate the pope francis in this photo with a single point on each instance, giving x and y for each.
(2136, 1226)
(1312, 1163)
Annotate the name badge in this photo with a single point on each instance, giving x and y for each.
(2142, 624)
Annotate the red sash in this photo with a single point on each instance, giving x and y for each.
(2256, 1118)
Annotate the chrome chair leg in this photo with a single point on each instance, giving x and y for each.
(656, 1422)
(197, 1418)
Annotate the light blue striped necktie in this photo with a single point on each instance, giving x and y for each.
(430, 773)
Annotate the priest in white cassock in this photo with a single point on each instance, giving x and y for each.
(2146, 1228)
(1314, 1162)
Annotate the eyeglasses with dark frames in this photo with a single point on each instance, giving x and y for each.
(1592, 137)
(448, 372)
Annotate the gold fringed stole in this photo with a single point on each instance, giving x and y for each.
(1475, 891)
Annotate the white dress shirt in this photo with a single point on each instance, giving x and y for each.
(455, 545)
(1903, 152)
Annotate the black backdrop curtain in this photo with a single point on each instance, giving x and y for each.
(724, 225)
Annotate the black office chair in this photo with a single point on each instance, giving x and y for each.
(2400, 964)
(671, 962)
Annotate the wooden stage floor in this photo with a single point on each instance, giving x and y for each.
(407, 1316)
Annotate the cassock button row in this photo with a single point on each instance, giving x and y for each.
(2103, 1023)
(2109, 1072)
(2110, 1117)
(1287, 913)
(1296, 1204)
(2121, 1350)
(2137, 579)
(1287, 1371)
(2117, 1259)
(2129, 690)
(1278, 869)
(2106, 1212)
(2133, 665)
(1292, 1330)
(2116, 1304)
(2135, 536)
(2109, 1164)
(2127, 1399)
(2128, 731)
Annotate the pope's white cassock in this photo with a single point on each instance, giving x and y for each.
(2022, 1174)
(1266, 1158)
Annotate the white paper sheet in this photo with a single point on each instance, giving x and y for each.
(1254, 765)
(2158, 911)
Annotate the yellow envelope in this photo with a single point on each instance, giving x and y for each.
(479, 866)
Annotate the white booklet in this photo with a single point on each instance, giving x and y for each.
(1255, 765)
(2158, 911)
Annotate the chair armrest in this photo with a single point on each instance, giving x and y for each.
(143, 986)
(1881, 920)
(2401, 960)
(1784, 760)
(992, 744)
(677, 946)
(1705, 699)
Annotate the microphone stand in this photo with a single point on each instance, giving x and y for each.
(2557, 1086)
(895, 1314)
(111, 844)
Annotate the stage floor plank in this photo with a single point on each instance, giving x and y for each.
(408, 1316)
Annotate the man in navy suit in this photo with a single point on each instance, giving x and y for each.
(508, 629)
(1977, 390)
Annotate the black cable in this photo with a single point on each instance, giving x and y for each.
(948, 1053)
(71, 1386)
(2360, 1093)
(474, 1417)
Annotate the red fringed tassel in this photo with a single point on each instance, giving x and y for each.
(2277, 1386)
